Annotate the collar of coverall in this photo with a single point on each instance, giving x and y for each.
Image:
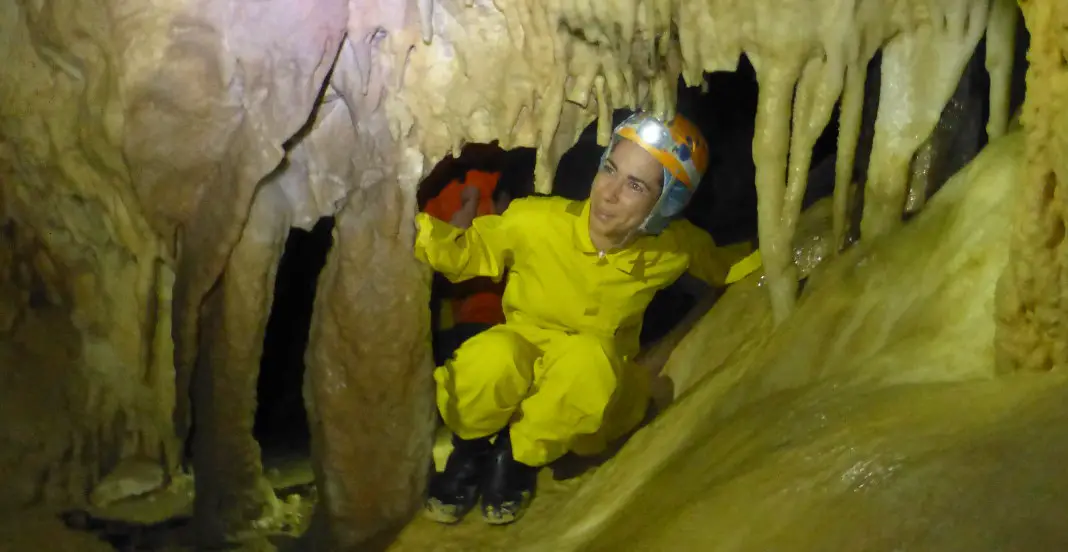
(627, 259)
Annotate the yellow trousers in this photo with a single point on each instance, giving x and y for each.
(559, 391)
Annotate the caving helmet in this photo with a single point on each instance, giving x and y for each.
(680, 148)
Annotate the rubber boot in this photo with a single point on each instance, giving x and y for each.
(455, 491)
(509, 485)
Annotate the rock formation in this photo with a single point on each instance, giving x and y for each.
(154, 155)
(1031, 310)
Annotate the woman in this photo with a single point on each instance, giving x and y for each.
(558, 375)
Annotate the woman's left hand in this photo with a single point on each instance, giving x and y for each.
(469, 210)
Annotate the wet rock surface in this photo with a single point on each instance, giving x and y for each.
(154, 155)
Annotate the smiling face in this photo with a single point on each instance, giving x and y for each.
(624, 192)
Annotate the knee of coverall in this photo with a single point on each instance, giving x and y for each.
(479, 389)
(628, 408)
(574, 389)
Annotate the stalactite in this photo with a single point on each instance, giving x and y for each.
(817, 92)
(543, 166)
(1000, 49)
(921, 70)
(426, 19)
(604, 114)
(848, 135)
(770, 145)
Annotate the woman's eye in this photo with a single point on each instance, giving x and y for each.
(636, 187)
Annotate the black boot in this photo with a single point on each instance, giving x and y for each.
(454, 492)
(509, 485)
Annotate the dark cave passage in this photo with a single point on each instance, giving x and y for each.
(281, 425)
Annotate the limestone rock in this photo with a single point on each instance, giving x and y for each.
(153, 155)
(132, 477)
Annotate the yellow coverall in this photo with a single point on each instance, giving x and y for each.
(560, 369)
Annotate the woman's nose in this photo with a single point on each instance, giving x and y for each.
(611, 190)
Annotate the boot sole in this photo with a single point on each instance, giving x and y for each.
(505, 516)
(446, 514)
(502, 520)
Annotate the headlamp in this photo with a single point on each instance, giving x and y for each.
(651, 133)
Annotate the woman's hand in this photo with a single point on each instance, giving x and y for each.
(469, 210)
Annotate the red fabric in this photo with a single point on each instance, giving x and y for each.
(445, 205)
(477, 300)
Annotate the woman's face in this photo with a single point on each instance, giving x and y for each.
(624, 191)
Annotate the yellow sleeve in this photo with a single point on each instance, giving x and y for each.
(484, 249)
(715, 265)
(745, 267)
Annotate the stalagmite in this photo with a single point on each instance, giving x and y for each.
(367, 387)
(230, 491)
(362, 358)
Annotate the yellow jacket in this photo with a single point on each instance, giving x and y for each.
(557, 279)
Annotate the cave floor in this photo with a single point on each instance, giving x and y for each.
(162, 520)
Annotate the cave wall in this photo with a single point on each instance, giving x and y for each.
(1032, 335)
(133, 139)
(151, 151)
(87, 282)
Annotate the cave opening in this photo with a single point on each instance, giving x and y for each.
(281, 422)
